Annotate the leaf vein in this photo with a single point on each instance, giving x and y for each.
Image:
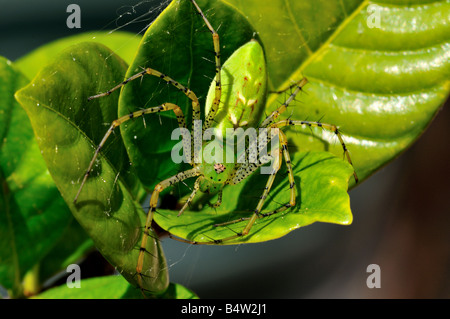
(296, 28)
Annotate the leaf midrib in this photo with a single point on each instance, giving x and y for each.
(294, 75)
(326, 44)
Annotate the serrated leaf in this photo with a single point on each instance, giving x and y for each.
(68, 129)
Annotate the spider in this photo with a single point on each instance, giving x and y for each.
(242, 111)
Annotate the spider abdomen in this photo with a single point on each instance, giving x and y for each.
(244, 85)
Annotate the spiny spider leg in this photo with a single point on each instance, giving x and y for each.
(283, 107)
(153, 202)
(287, 160)
(284, 143)
(164, 107)
(269, 121)
(330, 127)
(218, 90)
(148, 71)
(196, 188)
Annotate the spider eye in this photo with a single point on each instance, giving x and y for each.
(219, 168)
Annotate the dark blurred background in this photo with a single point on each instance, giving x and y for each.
(401, 214)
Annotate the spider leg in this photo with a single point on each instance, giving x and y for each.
(330, 127)
(283, 107)
(287, 160)
(269, 122)
(218, 90)
(196, 188)
(164, 107)
(148, 71)
(153, 202)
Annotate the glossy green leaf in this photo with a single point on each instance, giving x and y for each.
(123, 44)
(32, 213)
(68, 129)
(378, 69)
(110, 287)
(381, 84)
(73, 243)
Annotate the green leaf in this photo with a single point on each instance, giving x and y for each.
(33, 215)
(177, 44)
(68, 129)
(321, 179)
(123, 44)
(74, 242)
(381, 84)
(72, 246)
(110, 287)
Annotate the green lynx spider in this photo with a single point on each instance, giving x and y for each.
(245, 112)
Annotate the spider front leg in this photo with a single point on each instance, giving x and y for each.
(148, 71)
(269, 121)
(330, 127)
(283, 107)
(218, 89)
(187, 146)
